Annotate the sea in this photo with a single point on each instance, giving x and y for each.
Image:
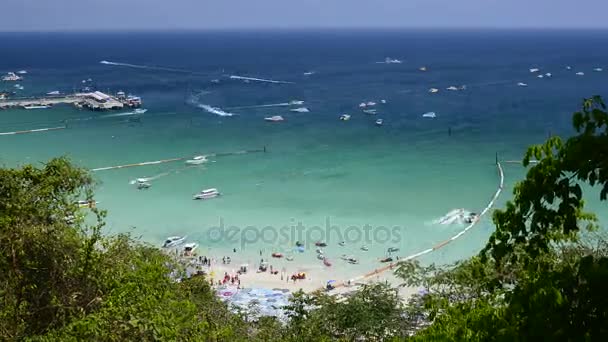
(352, 184)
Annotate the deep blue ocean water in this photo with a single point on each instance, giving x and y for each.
(407, 173)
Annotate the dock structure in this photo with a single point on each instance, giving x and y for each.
(94, 100)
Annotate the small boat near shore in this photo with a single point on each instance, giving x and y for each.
(197, 160)
(207, 194)
(173, 241)
(189, 248)
(53, 93)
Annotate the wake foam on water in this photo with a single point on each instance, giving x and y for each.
(237, 77)
(282, 104)
(148, 67)
(214, 110)
(456, 216)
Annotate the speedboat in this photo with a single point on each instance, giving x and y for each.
(429, 115)
(296, 102)
(308, 73)
(11, 76)
(433, 90)
(389, 259)
(197, 160)
(362, 105)
(451, 88)
(143, 185)
(534, 70)
(344, 117)
(370, 111)
(189, 248)
(393, 249)
(364, 248)
(568, 67)
(548, 74)
(371, 103)
(540, 76)
(300, 110)
(389, 60)
(22, 72)
(342, 243)
(383, 101)
(522, 84)
(580, 73)
(207, 194)
(320, 244)
(379, 122)
(36, 107)
(422, 68)
(173, 241)
(140, 111)
(275, 118)
(54, 92)
(598, 69)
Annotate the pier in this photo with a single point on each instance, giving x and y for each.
(93, 100)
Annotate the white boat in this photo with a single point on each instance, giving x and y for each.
(35, 107)
(451, 88)
(197, 160)
(393, 249)
(433, 90)
(370, 111)
(522, 84)
(11, 77)
(548, 74)
(296, 102)
(422, 68)
(580, 73)
(352, 260)
(371, 103)
(540, 76)
(534, 70)
(308, 73)
(207, 194)
(22, 72)
(598, 69)
(383, 101)
(140, 111)
(320, 256)
(189, 248)
(319, 251)
(55, 92)
(429, 115)
(344, 117)
(275, 118)
(362, 105)
(379, 122)
(364, 248)
(300, 110)
(173, 241)
(568, 67)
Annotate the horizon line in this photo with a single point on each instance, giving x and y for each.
(309, 29)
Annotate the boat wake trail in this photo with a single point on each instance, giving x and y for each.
(119, 115)
(149, 179)
(214, 110)
(282, 104)
(148, 67)
(236, 77)
(456, 216)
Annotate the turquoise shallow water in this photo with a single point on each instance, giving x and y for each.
(397, 178)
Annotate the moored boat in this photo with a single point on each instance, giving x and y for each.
(207, 194)
(173, 241)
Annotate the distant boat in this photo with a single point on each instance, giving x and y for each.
(22, 72)
(371, 103)
(540, 76)
(580, 73)
(140, 111)
(308, 73)
(429, 115)
(207, 194)
(598, 69)
(36, 107)
(296, 102)
(522, 84)
(383, 101)
(422, 68)
(55, 92)
(197, 160)
(534, 70)
(362, 105)
(275, 118)
(451, 88)
(548, 74)
(389, 60)
(379, 122)
(344, 117)
(568, 67)
(370, 111)
(433, 90)
(364, 248)
(300, 110)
